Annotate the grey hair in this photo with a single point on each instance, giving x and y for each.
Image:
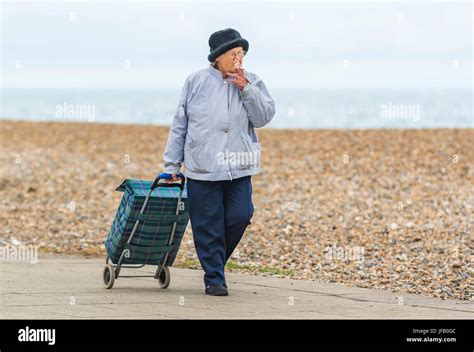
(215, 64)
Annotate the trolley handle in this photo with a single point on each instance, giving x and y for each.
(164, 176)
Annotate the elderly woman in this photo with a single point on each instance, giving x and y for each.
(213, 135)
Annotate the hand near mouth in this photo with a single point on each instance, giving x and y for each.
(238, 78)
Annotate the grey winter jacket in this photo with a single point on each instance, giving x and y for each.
(213, 129)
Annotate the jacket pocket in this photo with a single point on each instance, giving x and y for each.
(249, 154)
(196, 156)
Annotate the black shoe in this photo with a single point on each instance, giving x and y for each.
(216, 290)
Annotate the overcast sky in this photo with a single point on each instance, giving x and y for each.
(321, 44)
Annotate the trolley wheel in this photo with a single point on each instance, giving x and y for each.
(109, 276)
(165, 277)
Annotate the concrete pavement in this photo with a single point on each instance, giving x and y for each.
(62, 287)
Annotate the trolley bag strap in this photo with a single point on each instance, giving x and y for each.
(149, 250)
(136, 215)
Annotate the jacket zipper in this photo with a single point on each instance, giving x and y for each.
(228, 109)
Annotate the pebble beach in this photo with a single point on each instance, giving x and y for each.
(379, 208)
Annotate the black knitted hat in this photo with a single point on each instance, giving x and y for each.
(224, 40)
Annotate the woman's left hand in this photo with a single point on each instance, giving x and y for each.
(238, 78)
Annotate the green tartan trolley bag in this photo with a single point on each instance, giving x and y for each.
(147, 229)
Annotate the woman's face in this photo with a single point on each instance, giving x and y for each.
(229, 59)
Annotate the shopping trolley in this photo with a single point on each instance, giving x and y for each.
(147, 230)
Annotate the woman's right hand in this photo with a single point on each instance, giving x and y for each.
(173, 178)
(170, 178)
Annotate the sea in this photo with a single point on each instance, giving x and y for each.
(295, 108)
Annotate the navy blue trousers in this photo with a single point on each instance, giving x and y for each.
(219, 211)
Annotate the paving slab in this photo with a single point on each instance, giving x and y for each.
(64, 287)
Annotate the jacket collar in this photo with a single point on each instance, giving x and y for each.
(215, 72)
